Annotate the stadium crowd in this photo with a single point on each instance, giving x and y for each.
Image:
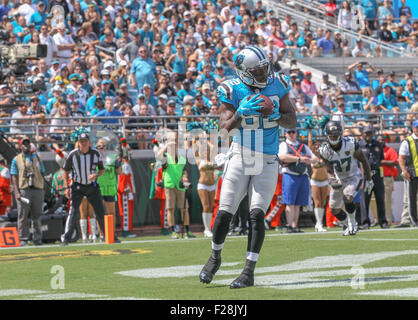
(150, 58)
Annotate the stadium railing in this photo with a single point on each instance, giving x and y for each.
(385, 122)
(370, 43)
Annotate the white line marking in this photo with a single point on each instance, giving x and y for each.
(407, 292)
(18, 292)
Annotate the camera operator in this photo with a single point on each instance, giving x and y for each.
(27, 172)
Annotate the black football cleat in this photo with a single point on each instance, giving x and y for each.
(245, 279)
(209, 270)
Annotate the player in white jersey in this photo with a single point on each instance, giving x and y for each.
(343, 156)
(258, 134)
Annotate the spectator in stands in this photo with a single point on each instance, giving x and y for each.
(359, 50)
(326, 43)
(404, 10)
(308, 86)
(408, 76)
(361, 72)
(319, 108)
(368, 99)
(314, 49)
(338, 44)
(386, 100)
(412, 47)
(65, 44)
(345, 16)
(330, 85)
(296, 90)
(143, 70)
(410, 92)
(108, 111)
(384, 34)
(347, 85)
(331, 11)
(385, 11)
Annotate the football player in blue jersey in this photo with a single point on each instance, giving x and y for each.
(240, 109)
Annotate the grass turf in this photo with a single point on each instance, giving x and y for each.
(371, 265)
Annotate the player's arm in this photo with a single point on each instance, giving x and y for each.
(359, 155)
(229, 118)
(287, 113)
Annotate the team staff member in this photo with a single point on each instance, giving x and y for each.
(82, 162)
(408, 161)
(108, 181)
(295, 157)
(373, 151)
(27, 172)
(389, 174)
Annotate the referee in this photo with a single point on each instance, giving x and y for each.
(82, 162)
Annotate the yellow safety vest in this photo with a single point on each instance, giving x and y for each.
(413, 156)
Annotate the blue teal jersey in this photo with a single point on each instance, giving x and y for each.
(254, 129)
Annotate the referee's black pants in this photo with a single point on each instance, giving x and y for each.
(412, 199)
(379, 194)
(94, 196)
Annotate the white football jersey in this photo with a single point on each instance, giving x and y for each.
(343, 161)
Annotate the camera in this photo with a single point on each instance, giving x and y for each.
(30, 176)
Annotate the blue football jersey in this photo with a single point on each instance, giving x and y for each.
(255, 129)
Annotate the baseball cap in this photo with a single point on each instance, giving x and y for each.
(83, 136)
(108, 64)
(163, 96)
(146, 85)
(2, 86)
(307, 73)
(201, 43)
(105, 72)
(290, 130)
(347, 73)
(415, 124)
(206, 86)
(171, 101)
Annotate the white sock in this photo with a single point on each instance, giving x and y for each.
(319, 215)
(93, 227)
(352, 218)
(83, 227)
(207, 219)
(252, 256)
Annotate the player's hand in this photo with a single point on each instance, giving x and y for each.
(368, 186)
(335, 183)
(406, 175)
(276, 114)
(249, 107)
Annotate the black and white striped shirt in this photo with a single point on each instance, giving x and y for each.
(81, 165)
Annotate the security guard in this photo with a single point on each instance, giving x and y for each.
(373, 150)
(408, 162)
(82, 162)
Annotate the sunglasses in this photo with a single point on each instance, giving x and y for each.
(291, 132)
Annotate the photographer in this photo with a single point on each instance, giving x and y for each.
(27, 172)
(174, 181)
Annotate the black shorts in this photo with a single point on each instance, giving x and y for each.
(109, 198)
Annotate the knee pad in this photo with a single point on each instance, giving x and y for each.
(257, 215)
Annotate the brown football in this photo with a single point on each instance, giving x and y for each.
(267, 104)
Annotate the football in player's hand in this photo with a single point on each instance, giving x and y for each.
(267, 105)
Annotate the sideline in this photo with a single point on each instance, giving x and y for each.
(229, 238)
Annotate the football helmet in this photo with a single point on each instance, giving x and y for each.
(253, 66)
(333, 131)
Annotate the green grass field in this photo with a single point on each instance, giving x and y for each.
(374, 264)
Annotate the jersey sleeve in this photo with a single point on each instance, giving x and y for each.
(283, 84)
(225, 92)
(324, 151)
